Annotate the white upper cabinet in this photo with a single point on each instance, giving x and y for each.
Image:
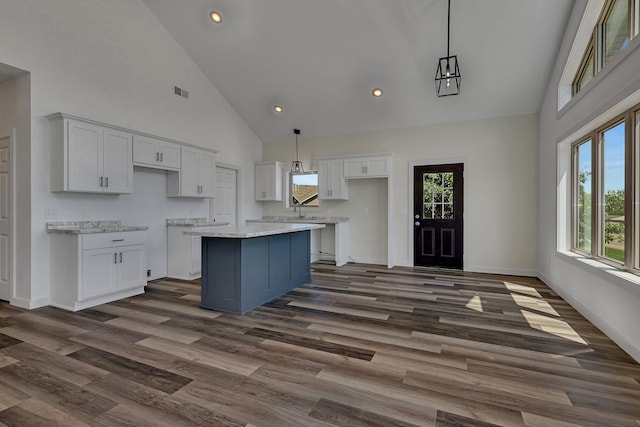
(367, 167)
(331, 182)
(197, 174)
(90, 158)
(155, 153)
(268, 181)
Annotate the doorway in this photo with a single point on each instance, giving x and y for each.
(438, 204)
(5, 218)
(224, 203)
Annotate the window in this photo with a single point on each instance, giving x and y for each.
(602, 217)
(583, 175)
(612, 193)
(614, 30)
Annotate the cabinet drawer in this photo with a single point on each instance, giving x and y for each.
(108, 240)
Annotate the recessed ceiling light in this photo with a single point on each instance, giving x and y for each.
(377, 92)
(216, 17)
(278, 109)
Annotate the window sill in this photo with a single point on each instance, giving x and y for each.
(621, 278)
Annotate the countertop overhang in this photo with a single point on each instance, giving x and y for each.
(254, 230)
(298, 220)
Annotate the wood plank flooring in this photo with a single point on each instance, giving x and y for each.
(361, 345)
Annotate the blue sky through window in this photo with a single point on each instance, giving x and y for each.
(614, 158)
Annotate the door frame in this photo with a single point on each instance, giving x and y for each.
(212, 200)
(12, 213)
(409, 214)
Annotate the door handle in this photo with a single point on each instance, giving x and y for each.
(417, 223)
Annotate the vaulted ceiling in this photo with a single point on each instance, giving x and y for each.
(321, 59)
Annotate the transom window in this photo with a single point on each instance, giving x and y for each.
(603, 218)
(614, 30)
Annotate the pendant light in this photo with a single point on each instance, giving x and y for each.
(296, 166)
(448, 73)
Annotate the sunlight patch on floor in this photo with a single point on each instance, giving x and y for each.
(551, 326)
(528, 290)
(534, 304)
(475, 304)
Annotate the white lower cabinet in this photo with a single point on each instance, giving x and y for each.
(92, 269)
(184, 253)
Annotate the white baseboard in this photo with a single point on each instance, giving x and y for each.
(600, 323)
(377, 261)
(501, 270)
(30, 304)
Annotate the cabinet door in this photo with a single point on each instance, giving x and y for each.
(196, 255)
(189, 173)
(324, 180)
(377, 166)
(84, 151)
(99, 267)
(169, 155)
(207, 174)
(261, 178)
(354, 168)
(117, 162)
(131, 267)
(145, 151)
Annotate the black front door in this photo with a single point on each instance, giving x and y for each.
(437, 215)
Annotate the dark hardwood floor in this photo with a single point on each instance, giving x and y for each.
(360, 346)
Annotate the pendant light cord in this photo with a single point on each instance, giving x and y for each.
(448, 26)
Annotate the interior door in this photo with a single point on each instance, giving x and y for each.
(5, 219)
(437, 217)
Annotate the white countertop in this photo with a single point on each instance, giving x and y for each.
(304, 220)
(253, 230)
(92, 227)
(194, 222)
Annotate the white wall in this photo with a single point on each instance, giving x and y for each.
(500, 217)
(608, 301)
(113, 62)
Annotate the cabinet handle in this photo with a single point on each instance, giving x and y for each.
(162, 157)
(330, 192)
(107, 182)
(118, 240)
(101, 181)
(120, 257)
(115, 258)
(157, 156)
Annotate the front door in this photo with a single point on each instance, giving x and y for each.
(437, 215)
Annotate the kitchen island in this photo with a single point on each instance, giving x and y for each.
(246, 266)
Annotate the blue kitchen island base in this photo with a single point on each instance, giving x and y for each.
(243, 273)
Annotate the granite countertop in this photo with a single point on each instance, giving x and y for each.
(253, 230)
(303, 220)
(88, 227)
(194, 222)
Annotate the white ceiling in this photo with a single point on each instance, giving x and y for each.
(321, 59)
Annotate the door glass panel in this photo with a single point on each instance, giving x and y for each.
(613, 212)
(583, 208)
(437, 195)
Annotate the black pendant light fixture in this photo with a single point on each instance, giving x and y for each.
(296, 166)
(448, 73)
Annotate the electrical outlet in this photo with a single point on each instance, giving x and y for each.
(149, 273)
